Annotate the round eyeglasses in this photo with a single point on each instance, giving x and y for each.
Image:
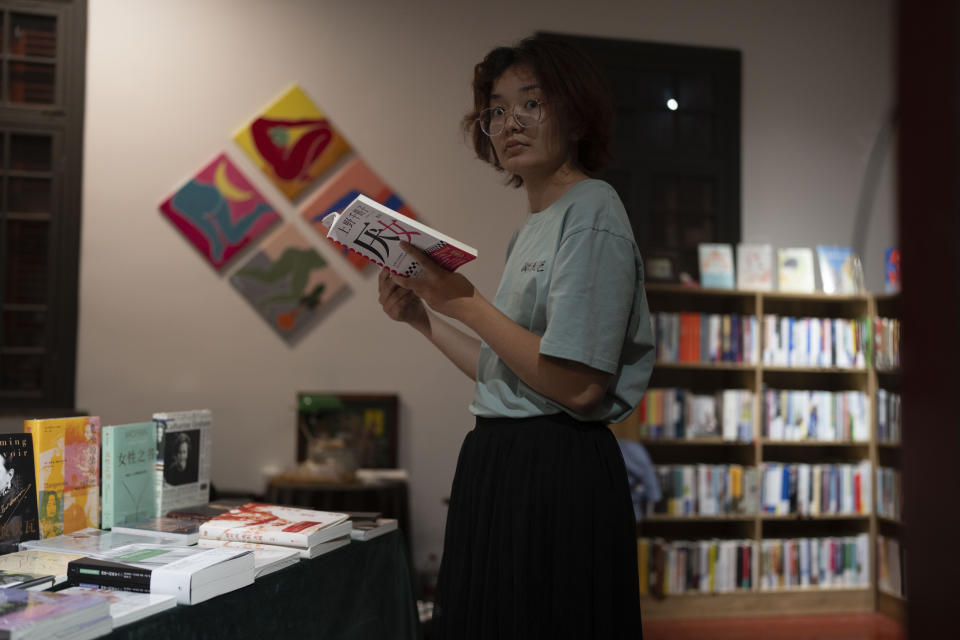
(493, 119)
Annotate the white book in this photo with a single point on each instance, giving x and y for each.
(375, 232)
(192, 574)
(305, 554)
(267, 558)
(755, 267)
(184, 458)
(716, 265)
(276, 524)
(90, 542)
(127, 606)
(795, 270)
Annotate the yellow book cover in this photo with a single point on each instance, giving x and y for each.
(81, 464)
(736, 481)
(712, 563)
(48, 449)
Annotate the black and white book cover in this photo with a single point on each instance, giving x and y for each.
(18, 491)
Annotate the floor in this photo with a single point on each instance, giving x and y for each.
(832, 627)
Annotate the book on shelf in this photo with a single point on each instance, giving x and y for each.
(891, 567)
(276, 524)
(67, 465)
(891, 271)
(92, 542)
(18, 491)
(716, 265)
(36, 561)
(795, 270)
(706, 337)
(823, 416)
(126, 606)
(375, 232)
(673, 567)
(184, 449)
(305, 553)
(26, 615)
(28, 581)
(827, 562)
(755, 267)
(816, 342)
(180, 531)
(706, 490)
(841, 271)
(889, 493)
(192, 574)
(129, 481)
(816, 489)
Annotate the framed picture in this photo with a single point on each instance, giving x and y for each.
(367, 423)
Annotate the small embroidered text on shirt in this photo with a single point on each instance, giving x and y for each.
(533, 266)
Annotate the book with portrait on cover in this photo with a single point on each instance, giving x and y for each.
(18, 492)
(375, 232)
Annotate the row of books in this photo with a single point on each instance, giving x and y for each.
(698, 566)
(889, 493)
(68, 474)
(682, 414)
(815, 342)
(706, 337)
(886, 340)
(815, 562)
(891, 566)
(826, 416)
(889, 420)
(706, 490)
(816, 489)
(841, 271)
(139, 570)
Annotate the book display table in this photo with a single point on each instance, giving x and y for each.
(359, 592)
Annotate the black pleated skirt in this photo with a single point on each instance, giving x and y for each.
(540, 539)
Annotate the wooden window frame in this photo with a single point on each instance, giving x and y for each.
(63, 121)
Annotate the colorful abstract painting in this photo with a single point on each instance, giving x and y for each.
(287, 282)
(292, 142)
(354, 179)
(219, 211)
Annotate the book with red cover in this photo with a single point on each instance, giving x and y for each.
(274, 524)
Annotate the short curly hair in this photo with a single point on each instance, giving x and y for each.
(572, 85)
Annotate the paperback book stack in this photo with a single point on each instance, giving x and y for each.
(265, 526)
(38, 614)
(126, 606)
(191, 574)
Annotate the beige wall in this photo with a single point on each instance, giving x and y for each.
(168, 83)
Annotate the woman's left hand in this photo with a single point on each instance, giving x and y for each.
(447, 293)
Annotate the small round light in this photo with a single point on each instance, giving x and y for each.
(672, 104)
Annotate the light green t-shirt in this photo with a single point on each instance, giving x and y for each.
(574, 277)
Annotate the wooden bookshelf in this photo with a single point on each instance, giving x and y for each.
(707, 376)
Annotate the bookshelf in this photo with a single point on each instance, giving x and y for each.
(860, 449)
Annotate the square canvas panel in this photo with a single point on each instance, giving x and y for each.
(355, 178)
(219, 211)
(292, 141)
(287, 282)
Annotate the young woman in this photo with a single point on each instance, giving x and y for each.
(540, 536)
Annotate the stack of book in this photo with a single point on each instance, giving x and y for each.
(126, 606)
(265, 526)
(191, 574)
(26, 615)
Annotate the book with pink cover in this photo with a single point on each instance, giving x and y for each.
(273, 524)
(375, 232)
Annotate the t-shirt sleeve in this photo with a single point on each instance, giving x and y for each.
(591, 295)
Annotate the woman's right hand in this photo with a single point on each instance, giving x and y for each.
(400, 304)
